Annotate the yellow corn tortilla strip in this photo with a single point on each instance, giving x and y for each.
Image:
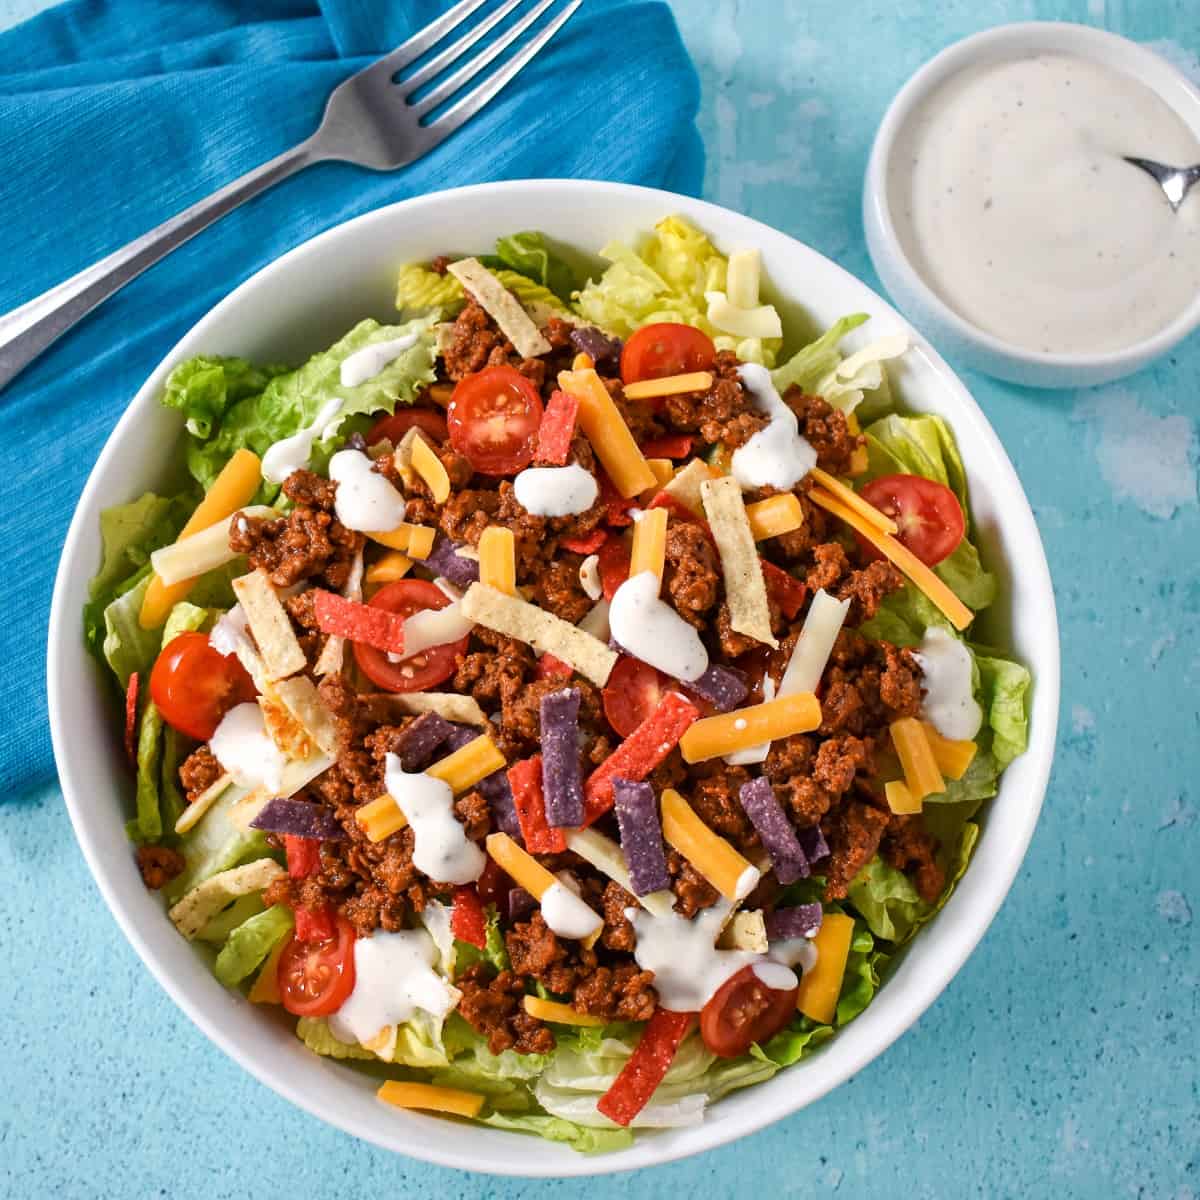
(745, 931)
(685, 487)
(546, 633)
(270, 624)
(745, 591)
(207, 899)
(446, 704)
(300, 697)
(501, 305)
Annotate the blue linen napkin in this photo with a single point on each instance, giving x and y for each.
(115, 114)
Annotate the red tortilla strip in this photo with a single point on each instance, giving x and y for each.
(131, 703)
(616, 506)
(615, 558)
(525, 779)
(467, 920)
(359, 622)
(644, 1069)
(786, 590)
(639, 753)
(549, 667)
(588, 544)
(557, 428)
(303, 856)
(675, 445)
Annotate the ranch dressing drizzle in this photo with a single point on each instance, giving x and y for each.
(441, 848)
(949, 700)
(243, 747)
(393, 978)
(292, 453)
(778, 456)
(556, 491)
(687, 966)
(1010, 196)
(653, 631)
(365, 364)
(365, 501)
(567, 914)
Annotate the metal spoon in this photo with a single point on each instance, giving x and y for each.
(1175, 182)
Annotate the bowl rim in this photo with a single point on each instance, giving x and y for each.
(961, 939)
(983, 46)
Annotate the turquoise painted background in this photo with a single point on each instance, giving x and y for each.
(1062, 1062)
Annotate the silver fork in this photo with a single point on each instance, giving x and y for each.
(370, 120)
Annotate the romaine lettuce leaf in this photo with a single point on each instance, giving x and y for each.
(224, 923)
(494, 952)
(529, 255)
(293, 400)
(665, 279)
(214, 844)
(793, 1043)
(204, 387)
(420, 290)
(1004, 686)
(315, 1033)
(126, 646)
(250, 943)
(815, 362)
(918, 445)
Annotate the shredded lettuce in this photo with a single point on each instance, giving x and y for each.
(315, 1033)
(555, 1129)
(225, 922)
(494, 951)
(292, 400)
(420, 290)
(250, 943)
(816, 361)
(215, 844)
(203, 388)
(529, 254)
(665, 279)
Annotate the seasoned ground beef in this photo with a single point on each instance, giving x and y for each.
(309, 543)
(714, 796)
(158, 865)
(692, 891)
(825, 429)
(557, 589)
(692, 578)
(853, 832)
(493, 1006)
(622, 993)
(474, 343)
(200, 770)
(618, 929)
(722, 414)
(910, 848)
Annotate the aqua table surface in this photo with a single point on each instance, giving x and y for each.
(1062, 1061)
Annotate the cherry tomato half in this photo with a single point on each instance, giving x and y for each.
(315, 978)
(398, 424)
(494, 417)
(419, 671)
(656, 351)
(633, 692)
(928, 515)
(744, 1010)
(194, 686)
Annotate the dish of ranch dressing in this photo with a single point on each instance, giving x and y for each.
(1011, 199)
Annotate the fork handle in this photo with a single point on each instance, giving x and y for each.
(26, 331)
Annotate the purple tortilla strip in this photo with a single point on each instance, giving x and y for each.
(442, 560)
(641, 836)
(767, 815)
(418, 743)
(590, 340)
(458, 737)
(723, 687)
(812, 842)
(562, 778)
(520, 904)
(299, 818)
(496, 790)
(802, 921)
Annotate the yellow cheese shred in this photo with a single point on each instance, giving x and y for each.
(731, 874)
(649, 551)
(466, 767)
(746, 727)
(900, 800)
(430, 468)
(954, 610)
(820, 987)
(921, 772)
(431, 1098)
(497, 559)
(610, 437)
(522, 867)
(851, 499)
(669, 385)
(380, 818)
(774, 516)
(392, 566)
(953, 758)
(559, 1013)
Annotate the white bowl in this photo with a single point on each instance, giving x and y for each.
(300, 304)
(959, 338)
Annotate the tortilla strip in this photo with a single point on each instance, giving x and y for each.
(297, 773)
(270, 624)
(546, 633)
(501, 305)
(207, 899)
(685, 487)
(333, 653)
(464, 709)
(745, 591)
(300, 697)
(745, 931)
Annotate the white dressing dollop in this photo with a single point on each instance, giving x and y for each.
(796, 953)
(775, 975)
(366, 501)
(589, 577)
(556, 491)
(292, 453)
(650, 629)
(441, 848)
(366, 363)
(230, 632)
(393, 978)
(688, 968)
(567, 914)
(778, 456)
(949, 700)
(244, 748)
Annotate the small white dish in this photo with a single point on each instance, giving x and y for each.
(959, 338)
(298, 305)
